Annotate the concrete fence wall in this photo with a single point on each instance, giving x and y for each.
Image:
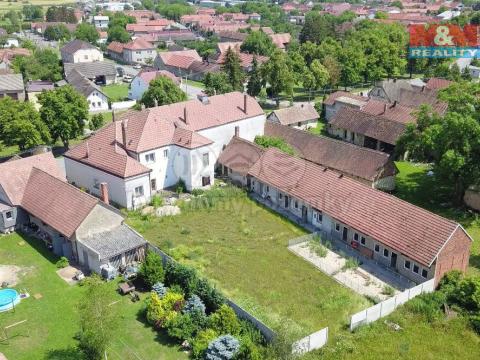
(311, 342)
(121, 105)
(386, 307)
(268, 333)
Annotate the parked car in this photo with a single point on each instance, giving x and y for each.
(127, 78)
(137, 66)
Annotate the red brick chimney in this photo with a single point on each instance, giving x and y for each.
(185, 118)
(237, 131)
(124, 132)
(245, 103)
(104, 193)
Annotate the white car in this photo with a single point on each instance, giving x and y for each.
(137, 66)
(127, 78)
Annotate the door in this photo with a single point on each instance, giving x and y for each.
(249, 182)
(304, 213)
(393, 260)
(286, 201)
(85, 259)
(345, 234)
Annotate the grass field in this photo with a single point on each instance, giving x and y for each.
(5, 5)
(116, 92)
(242, 247)
(52, 320)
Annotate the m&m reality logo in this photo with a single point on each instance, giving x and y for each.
(443, 41)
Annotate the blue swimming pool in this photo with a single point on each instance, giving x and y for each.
(8, 299)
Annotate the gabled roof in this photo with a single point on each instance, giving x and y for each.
(148, 76)
(295, 114)
(395, 112)
(139, 44)
(14, 174)
(92, 69)
(82, 84)
(330, 100)
(11, 82)
(375, 126)
(116, 47)
(245, 59)
(410, 230)
(182, 59)
(39, 85)
(240, 155)
(438, 84)
(280, 40)
(353, 160)
(55, 202)
(75, 45)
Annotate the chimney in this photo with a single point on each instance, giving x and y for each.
(88, 150)
(113, 115)
(104, 193)
(185, 115)
(384, 108)
(124, 132)
(237, 131)
(394, 104)
(245, 103)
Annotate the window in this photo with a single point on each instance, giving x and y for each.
(205, 180)
(407, 264)
(137, 52)
(362, 240)
(355, 237)
(319, 216)
(424, 273)
(85, 57)
(280, 196)
(296, 204)
(268, 188)
(99, 103)
(165, 153)
(415, 269)
(139, 191)
(385, 252)
(8, 215)
(206, 160)
(377, 248)
(299, 124)
(153, 184)
(150, 158)
(337, 227)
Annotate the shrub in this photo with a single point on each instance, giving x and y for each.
(180, 186)
(160, 289)
(388, 290)
(182, 327)
(350, 264)
(194, 304)
(181, 275)
(62, 262)
(248, 350)
(161, 311)
(475, 323)
(211, 297)
(317, 248)
(223, 348)
(156, 201)
(96, 122)
(224, 321)
(200, 343)
(469, 294)
(198, 192)
(151, 270)
(428, 305)
(271, 141)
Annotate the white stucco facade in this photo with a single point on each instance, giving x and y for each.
(139, 56)
(137, 87)
(83, 55)
(97, 102)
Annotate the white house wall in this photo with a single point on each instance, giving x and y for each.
(97, 102)
(85, 55)
(137, 88)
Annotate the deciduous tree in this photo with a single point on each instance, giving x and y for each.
(217, 83)
(257, 42)
(255, 80)
(87, 32)
(277, 75)
(232, 67)
(162, 91)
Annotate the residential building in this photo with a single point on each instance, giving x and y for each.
(7, 55)
(96, 98)
(149, 150)
(36, 87)
(100, 72)
(12, 85)
(40, 27)
(77, 51)
(100, 22)
(281, 40)
(141, 82)
(177, 62)
(35, 198)
(438, 84)
(136, 51)
(301, 117)
(335, 101)
(409, 240)
(373, 168)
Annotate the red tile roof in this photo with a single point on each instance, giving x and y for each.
(295, 114)
(139, 44)
(438, 84)
(116, 46)
(57, 203)
(14, 174)
(240, 155)
(182, 59)
(350, 159)
(410, 230)
(148, 76)
(333, 96)
(245, 59)
(375, 126)
(280, 40)
(395, 112)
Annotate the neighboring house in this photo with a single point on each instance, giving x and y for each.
(7, 55)
(168, 37)
(35, 198)
(96, 98)
(373, 168)
(141, 82)
(177, 62)
(438, 84)
(339, 99)
(40, 27)
(364, 129)
(149, 150)
(246, 59)
(12, 85)
(100, 72)
(34, 88)
(301, 117)
(414, 242)
(100, 22)
(77, 51)
(136, 51)
(281, 40)
(229, 36)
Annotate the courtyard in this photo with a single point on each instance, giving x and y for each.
(242, 247)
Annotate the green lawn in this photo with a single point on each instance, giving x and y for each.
(413, 185)
(52, 320)
(242, 247)
(8, 150)
(116, 92)
(197, 84)
(320, 129)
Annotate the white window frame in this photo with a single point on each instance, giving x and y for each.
(413, 269)
(140, 191)
(165, 153)
(375, 248)
(356, 236)
(426, 276)
(206, 159)
(11, 215)
(295, 204)
(150, 158)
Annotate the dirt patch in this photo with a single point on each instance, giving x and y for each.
(10, 274)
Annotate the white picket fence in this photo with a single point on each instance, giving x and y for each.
(311, 342)
(386, 307)
(121, 105)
